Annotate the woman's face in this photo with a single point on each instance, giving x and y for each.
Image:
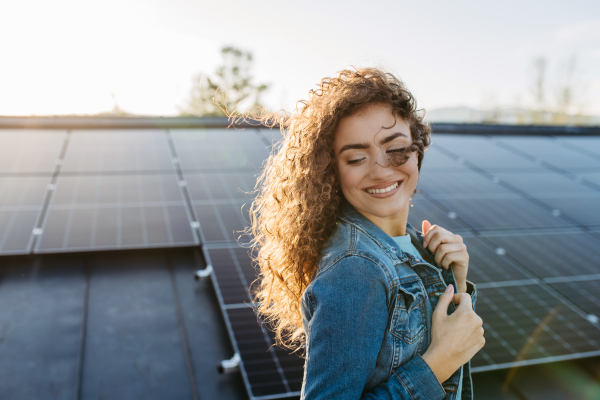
(378, 190)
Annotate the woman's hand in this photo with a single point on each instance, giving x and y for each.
(448, 249)
(454, 338)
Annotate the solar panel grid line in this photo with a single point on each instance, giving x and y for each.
(143, 215)
(39, 226)
(240, 305)
(217, 214)
(486, 285)
(577, 278)
(194, 218)
(533, 231)
(577, 148)
(524, 363)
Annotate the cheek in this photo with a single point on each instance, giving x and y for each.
(349, 178)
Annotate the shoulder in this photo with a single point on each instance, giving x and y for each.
(351, 251)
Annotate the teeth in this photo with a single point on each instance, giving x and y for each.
(387, 189)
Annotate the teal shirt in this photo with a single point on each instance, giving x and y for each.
(406, 246)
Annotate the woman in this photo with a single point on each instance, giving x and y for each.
(342, 274)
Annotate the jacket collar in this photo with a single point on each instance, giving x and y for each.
(349, 214)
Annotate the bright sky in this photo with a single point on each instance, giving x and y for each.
(63, 56)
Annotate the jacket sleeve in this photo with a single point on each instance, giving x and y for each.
(346, 316)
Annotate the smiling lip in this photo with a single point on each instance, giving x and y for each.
(383, 186)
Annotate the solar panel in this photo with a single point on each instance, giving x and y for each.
(443, 185)
(222, 222)
(234, 272)
(524, 322)
(582, 291)
(584, 210)
(270, 136)
(549, 151)
(267, 370)
(483, 153)
(118, 150)
(21, 200)
(488, 264)
(546, 184)
(219, 149)
(221, 186)
(435, 160)
(27, 151)
(428, 209)
(527, 324)
(503, 213)
(118, 211)
(581, 144)
(551, 254)
(590, 177)
(518, 202)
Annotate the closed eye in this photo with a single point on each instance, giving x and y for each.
(350, 162)
(403, 149)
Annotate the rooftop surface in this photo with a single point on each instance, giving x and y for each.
(98, 252)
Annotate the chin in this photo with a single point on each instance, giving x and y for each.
(385, 212)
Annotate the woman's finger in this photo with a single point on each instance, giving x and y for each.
(438, 237)
(450, 258)
(446, 248)
(425, 227)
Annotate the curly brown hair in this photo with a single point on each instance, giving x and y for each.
(296, 208)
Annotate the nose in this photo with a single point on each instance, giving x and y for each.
(381, 169)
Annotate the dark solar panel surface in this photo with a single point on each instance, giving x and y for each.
(110, 150)
(21, 200)
(90, 212)
(584, 291)
(483, 153)
(488, 264)
(428, 209)
(552, 254)
(219, 149)
(527, 322)
(505, 213)
(30, 151)
(549, 151)
(270, 370)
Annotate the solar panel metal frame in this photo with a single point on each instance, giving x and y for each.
(236, 349)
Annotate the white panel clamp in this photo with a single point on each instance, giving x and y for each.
(203, 273)
(229, 366)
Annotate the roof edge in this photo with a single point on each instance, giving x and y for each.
(85, 122)
(76, 122)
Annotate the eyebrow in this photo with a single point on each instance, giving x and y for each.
(362, 146)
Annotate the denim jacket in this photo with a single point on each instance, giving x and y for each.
(367, 317)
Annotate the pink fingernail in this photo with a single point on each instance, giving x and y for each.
(449, 288)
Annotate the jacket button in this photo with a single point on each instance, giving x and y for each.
(417, 259)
